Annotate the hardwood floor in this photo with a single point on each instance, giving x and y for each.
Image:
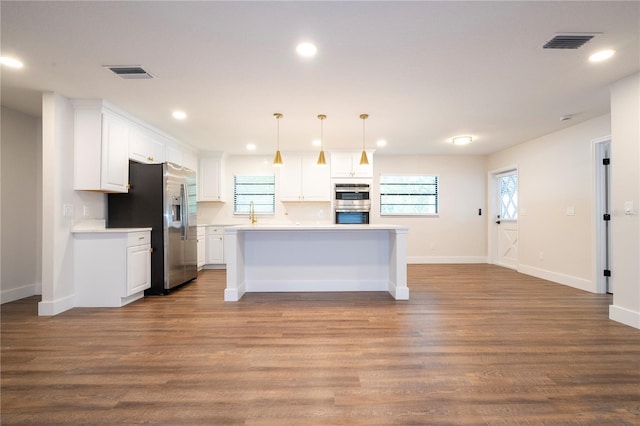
(475, 344)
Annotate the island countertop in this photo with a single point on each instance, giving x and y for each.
(313, 227)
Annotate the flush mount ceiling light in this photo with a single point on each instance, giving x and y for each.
(321, 160)
(179, 115)
(251, 147)
(461, 140)
(277, 160)
(363, 157)
(602, 55)
(381, 143)
(11, 62)
(306, 49)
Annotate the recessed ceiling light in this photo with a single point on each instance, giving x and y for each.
(306, 50)
(602, 55)
(251, 147)
(179, 115)
(316, 142)
(462, 140)
(381, 143)
(11, 62)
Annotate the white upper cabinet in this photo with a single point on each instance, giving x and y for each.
(190, 160)
(101, 150)
(347, 165)
(211, 178)
(146, 147)
(174, 154)
(105, 138)
(301, 179)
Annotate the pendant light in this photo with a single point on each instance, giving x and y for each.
(321, 160)
(363, 157)
(277, 160)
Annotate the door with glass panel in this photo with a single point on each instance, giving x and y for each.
(506, 185)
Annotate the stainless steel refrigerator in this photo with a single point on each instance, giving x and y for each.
(163, 197)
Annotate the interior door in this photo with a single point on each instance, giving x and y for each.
(507, 219)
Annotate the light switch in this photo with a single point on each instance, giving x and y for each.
(628, 207)
(67, 210)
(571, 211)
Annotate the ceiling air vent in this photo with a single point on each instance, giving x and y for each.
(568, 41)
(129, 71)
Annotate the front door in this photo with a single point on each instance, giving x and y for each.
(507, 219)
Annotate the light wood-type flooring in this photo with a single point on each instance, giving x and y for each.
(475, 344)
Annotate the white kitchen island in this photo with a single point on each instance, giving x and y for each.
(329, 258)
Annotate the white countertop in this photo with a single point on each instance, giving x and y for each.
(98, 226)
(314, 227)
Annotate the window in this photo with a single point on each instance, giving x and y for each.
(259, 189)
(508, 196)
(408, 195)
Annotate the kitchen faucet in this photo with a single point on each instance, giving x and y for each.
(252, 213)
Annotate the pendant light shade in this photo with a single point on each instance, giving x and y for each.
(321, 160)
(363, 157)
(277, 160)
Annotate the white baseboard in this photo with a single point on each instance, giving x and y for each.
(57, 306)
(445, 259)
(624, 316)
(214, 266)
(14, 294)
(571, 281)
(316, 285)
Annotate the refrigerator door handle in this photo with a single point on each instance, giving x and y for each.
(185, 214)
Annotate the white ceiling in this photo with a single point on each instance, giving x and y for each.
(423, 71)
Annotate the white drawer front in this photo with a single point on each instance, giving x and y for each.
(138, 238)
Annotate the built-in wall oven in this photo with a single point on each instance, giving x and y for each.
(351, 203)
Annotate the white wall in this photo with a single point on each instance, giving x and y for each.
(457, 234)
(21, 204)
(58, 291)
(625, 177)
(555, 172)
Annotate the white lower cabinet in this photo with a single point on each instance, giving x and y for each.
(202, 246)
(215, 245)
(111, 267)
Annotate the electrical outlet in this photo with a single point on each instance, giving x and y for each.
(628, 207)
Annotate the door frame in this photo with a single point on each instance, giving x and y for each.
(492, 211)
(598, 149)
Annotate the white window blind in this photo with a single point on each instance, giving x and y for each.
(261, 190)
(408, 195)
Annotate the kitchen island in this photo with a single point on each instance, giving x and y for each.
(327, 258)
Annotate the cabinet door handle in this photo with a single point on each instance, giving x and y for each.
(150, 158)
(141, 238)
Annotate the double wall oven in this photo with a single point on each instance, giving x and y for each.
(351, 203)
